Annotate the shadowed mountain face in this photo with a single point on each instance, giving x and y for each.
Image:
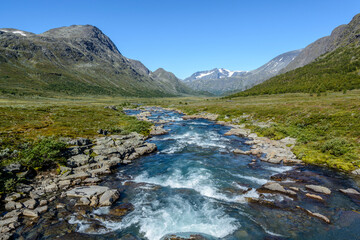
(341, 36)
(220, 81)
(79, 59)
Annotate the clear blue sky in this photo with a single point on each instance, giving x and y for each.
(185, 36)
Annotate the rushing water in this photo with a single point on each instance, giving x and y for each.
(194, 184)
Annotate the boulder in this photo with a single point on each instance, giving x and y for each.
(78, 175)
(42, 209)
(84, 201)
(158, 130)
(87, 191)
(109, 197)
(51, 188)
(13, 205)
(238, 132)
(276, 187)
(30, 213)
(13, 197)
(319, 189)
(78, 160)
(64, 184)
(30, 204)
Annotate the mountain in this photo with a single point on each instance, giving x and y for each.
(172, 83)
(216, 73)
(76, 60)
(220, 81)
(337, 69)
(340, 37)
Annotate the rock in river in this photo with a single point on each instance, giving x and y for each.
(319, 189)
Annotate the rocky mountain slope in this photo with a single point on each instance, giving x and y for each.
(220, 81)
(340, 37)
(79, 59)
(336, 70)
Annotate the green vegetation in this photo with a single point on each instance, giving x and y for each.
(336, 71)
(32, 130)
(327, 127)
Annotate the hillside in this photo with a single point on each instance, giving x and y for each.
(75, 60)
(340, 37)
(220, 81)
(336, 70)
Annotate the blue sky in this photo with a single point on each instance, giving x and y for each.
(185, 36)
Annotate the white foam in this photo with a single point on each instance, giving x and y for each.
(206, 140)
(256, 180)
(279, 169)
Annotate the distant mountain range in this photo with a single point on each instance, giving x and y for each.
(219, 80)
(331, 63)
(76, 60)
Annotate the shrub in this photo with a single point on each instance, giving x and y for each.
(10, 185)
(336, 146)
(43, 153)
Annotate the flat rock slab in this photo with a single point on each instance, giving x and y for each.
(319, 189)
(86, 191)
(350, 191)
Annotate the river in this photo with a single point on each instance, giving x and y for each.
(195, 185)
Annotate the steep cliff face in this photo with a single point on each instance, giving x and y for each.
(79, 59)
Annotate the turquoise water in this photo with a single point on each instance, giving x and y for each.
(194, 184)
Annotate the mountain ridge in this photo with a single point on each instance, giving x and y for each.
(216, 82)
(79, 59)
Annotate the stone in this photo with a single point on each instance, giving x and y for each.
(92, 180)
(13, 205)
(158, 130)
(28, 174)
(13, 197)
(78, 160)
(60, 205)
(87, 191)
(30, 204)
(80, 141)
(94, 201)
(13, 168)
(51, 188)
(109, 197)
(121, 210)
(349, 191)
(239, 151)
(78, 175)
(146, 149)
(30, 213)
(64, 184)
(43, 202)
(294, 189)
(42, 209)
(317, 215)
(238, 132)
(84, 201)
(76, 182)
(276, 187)
(356, 172)
(313, 196)
(319, 189)
(7, 221)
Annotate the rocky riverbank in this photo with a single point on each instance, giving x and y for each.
(74, 184)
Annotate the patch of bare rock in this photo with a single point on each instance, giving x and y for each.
(87, 161)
